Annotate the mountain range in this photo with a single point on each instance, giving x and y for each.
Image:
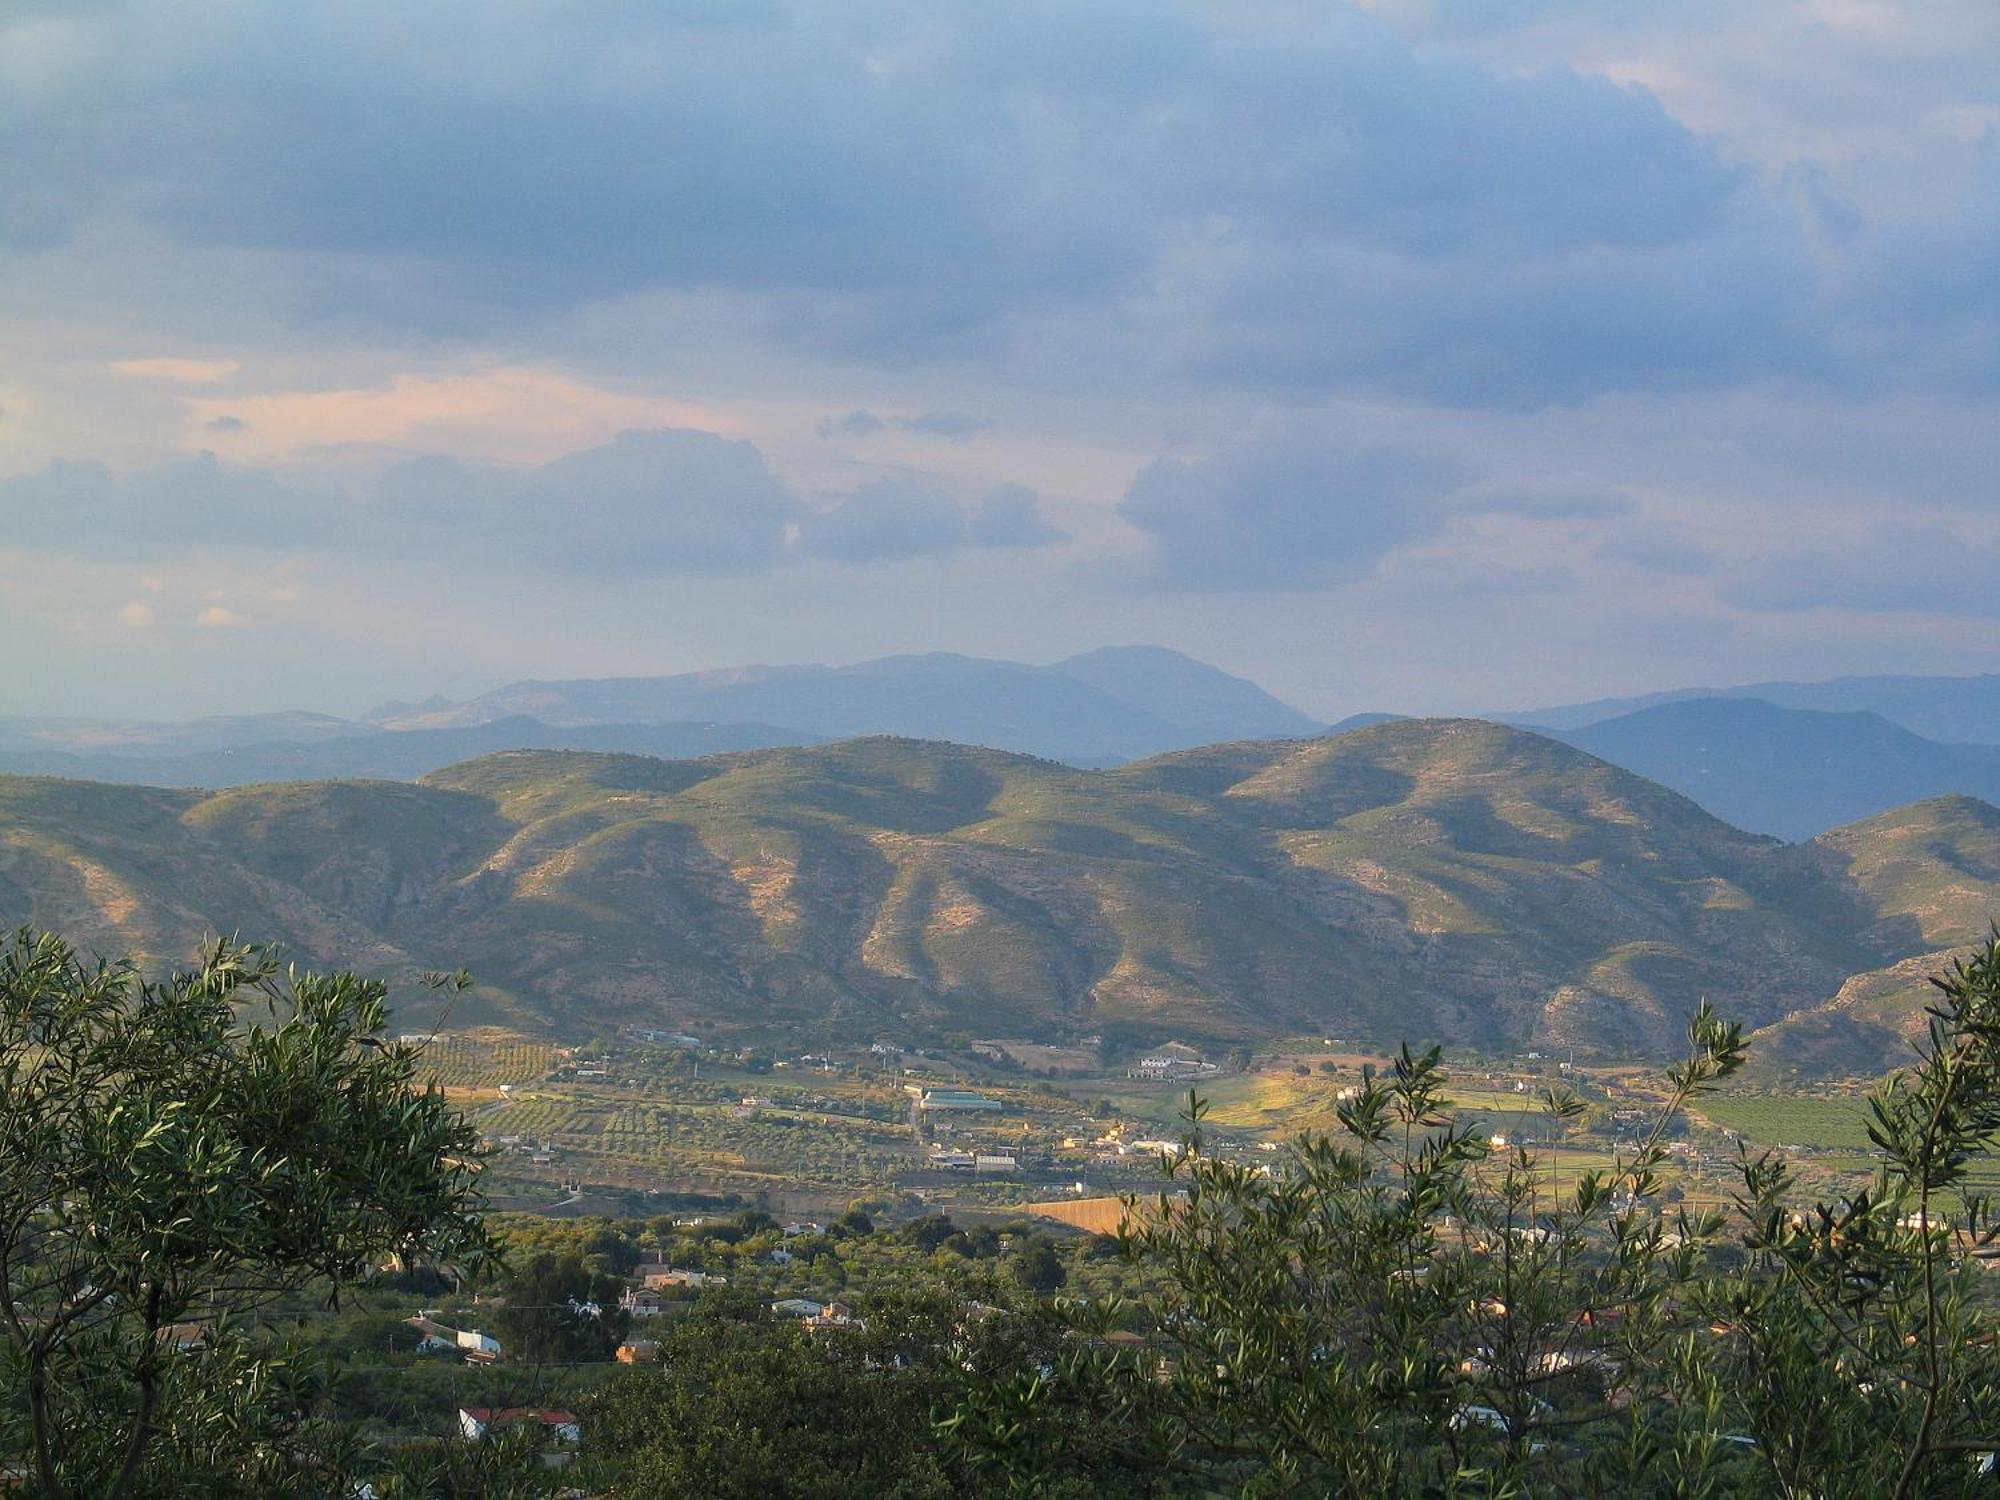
(1449, 880)
(1792, 772)
(1100, 708)
(1956, 710)
(1784, 758)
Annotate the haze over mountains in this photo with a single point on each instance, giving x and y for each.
(1788, 759)
(1435, 879)
(1952, 709)
(1787, 771)
(1102, 707)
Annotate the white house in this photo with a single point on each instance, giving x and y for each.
(561, 1426)
(480, 1348)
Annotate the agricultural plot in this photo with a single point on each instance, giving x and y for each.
(666, 1139)
(1831, 1124)
(472, 1062)
(1277, 1103)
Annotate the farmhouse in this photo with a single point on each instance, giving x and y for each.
(561, 1426)
(480, 1348)
(643, 1303)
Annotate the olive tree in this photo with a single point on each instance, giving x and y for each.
(175, 1155)
(1394, 1308)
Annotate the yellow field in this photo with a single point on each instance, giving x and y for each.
(1093, 1215)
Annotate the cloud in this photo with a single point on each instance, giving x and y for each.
(1558, 498)
(648, 503)
(1292, 510)
(1273, 199)
(1011, 517)
(854, 424)
(1656, 547)
(1893, 569)
(179, 371)
(81, 506)
(514, 413)
(944, 424)
(138, 614)
(216, 617)
(888, 520)
(896, 519)
(653, 504)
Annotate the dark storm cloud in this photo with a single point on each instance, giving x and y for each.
(1181, 189)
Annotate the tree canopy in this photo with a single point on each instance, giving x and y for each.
(174, 1155)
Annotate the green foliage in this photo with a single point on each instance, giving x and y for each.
(169, 1172)
(741, 1410)
(556, 1310)
(1398, 1311)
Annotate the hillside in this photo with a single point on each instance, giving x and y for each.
(1929, 878)
(1436, 879)
(1787, 771)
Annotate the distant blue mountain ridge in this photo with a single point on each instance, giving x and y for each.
(1785, 758)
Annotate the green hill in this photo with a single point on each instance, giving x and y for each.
(1426, 878)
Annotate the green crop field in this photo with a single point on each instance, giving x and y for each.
(1792, 1120)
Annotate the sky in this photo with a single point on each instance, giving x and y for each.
(1423, 355)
